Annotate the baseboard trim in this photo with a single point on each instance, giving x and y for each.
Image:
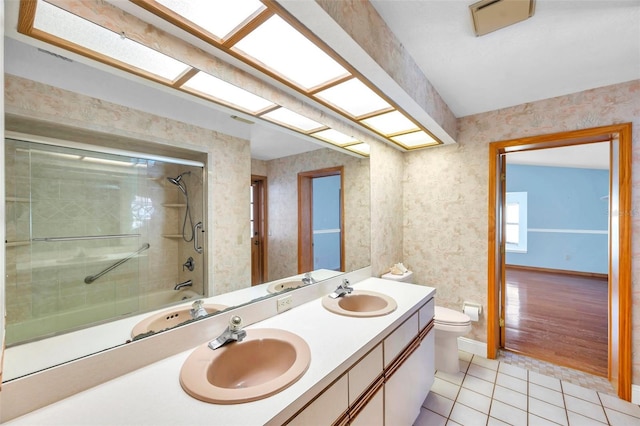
(635, 394)
(473, 346)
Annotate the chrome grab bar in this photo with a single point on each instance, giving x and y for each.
(196, 245)
(91, 278)
(85, 237)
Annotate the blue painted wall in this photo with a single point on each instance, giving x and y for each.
(563, 198)
(326, 216)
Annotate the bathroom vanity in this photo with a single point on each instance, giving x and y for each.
(367, 371)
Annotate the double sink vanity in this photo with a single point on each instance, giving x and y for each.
(365, 356)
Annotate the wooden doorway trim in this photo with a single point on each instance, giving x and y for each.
(259, 241)
(305, 216)
(619, 240)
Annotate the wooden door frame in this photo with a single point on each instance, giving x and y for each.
(264, 225)
(305, 224)
(620, 303)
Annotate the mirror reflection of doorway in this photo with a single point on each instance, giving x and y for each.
(556, 261)
(321, 220)
(258, 220)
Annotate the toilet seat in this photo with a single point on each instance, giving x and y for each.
(448, 318)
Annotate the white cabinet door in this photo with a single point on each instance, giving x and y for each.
(373, 413)
(407, 388)
(327, 408)
(364, 373)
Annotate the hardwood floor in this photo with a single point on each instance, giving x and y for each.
(558, 318)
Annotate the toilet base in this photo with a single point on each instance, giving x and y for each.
(446, 348)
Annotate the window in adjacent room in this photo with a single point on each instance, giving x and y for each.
(516, 222)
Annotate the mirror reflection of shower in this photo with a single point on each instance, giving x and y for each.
(177, 181)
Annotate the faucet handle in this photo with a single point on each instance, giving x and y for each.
(235, 323)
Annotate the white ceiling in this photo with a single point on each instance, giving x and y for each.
(567, 46)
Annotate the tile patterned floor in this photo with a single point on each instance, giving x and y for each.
(494, 393)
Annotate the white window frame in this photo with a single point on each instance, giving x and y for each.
(519, 198)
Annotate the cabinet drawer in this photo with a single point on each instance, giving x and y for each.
(426, 313)
(364, 373)
(400, 339)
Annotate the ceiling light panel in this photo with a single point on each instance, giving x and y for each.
(218, 17)
(415, 139)
(292, 119)
(88, 35)
(353, 97)
(361, 148)
(212, 87)
(282, 49)
(390, 123)
(335, 137)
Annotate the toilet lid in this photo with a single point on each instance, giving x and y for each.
(451, 317)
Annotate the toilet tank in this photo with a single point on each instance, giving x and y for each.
(407, 277)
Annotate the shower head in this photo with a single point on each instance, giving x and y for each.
(177, 181)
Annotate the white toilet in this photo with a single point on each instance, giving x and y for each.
(449, 325)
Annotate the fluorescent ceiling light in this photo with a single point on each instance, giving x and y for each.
(335, 137)
(281, 48)
(354, 97)
(361, 148)
(218, 17)
(86, 34)
(390, 123)
(220, 90)
(415, 139)
(292, 119)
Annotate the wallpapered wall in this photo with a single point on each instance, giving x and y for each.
(282, 179)
(229, 163)
(445, 192)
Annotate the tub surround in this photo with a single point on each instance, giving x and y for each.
(157, 383)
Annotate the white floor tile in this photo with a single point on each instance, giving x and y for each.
(491, 364)
(512, 370)
(546, 395)
(586, 408)
(482, 373)
(474, 400)
(478, 385)
(495, 422)
(456, 378)
(517, 399)
(464, 366)
(508, 413)
(576, 419)
(580, 392)
(512, 383)
(465, 356)
(546, 381)
(539, 421)
(617, 404)
(616, 418)
(444, 388)
(547, 411)
(438, 404)
(429, 418)
(467, 416)
(452, 423)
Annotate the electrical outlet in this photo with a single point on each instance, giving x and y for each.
(285, 303)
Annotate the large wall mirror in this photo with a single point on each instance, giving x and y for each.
(78, 203)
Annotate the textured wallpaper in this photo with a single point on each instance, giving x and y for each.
(282, 180)
(445, 202)
(229, 164)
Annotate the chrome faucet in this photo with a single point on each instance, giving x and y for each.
(341, 290)
(187, 283)
(197, 310)
(308, 279)
(233, 333)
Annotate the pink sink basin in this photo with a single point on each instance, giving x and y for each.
(264, 363)
(361, 303)
(170, 318)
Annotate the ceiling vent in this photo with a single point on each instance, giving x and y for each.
(491, 15)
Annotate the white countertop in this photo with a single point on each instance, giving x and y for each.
(152, 395)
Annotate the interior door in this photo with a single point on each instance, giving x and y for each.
(258, 230)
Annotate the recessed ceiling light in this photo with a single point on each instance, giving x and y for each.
(390, 123)
(361, 148)
(292, 119)
(415, 139)
(353, 97)
(335, 137)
